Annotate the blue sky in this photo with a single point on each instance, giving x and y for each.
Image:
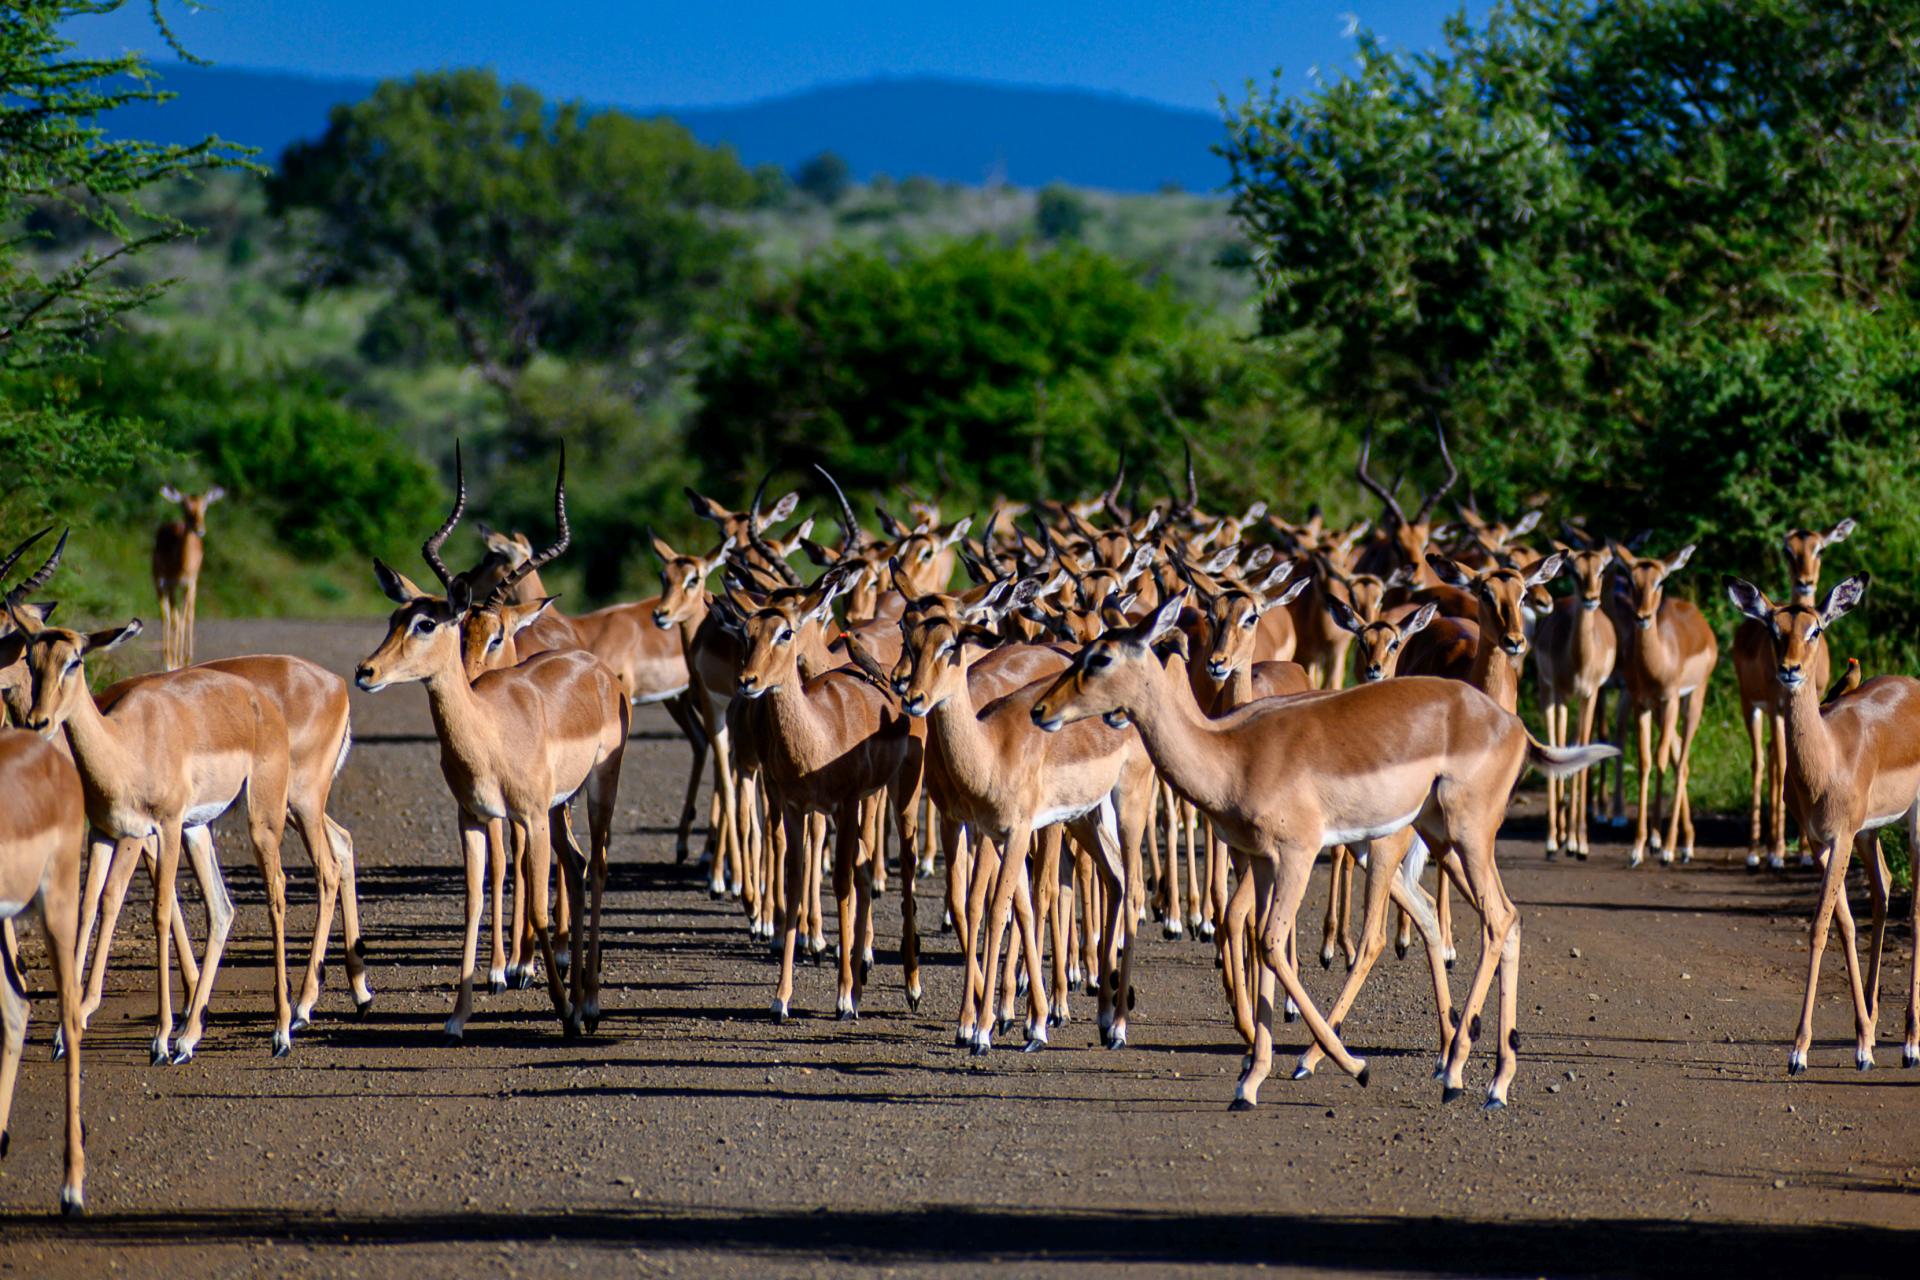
(678, 54)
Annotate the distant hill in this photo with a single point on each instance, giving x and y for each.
(953, 130)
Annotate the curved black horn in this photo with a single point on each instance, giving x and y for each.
(562, 539)
(44, 574)
(1365, 477)
(852, 539)
(430, 549)
(776, 562)
(13, 556)
(1453, 474)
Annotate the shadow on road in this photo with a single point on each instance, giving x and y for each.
(933, 1235)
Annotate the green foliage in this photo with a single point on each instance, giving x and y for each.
(329, 480)
(64, 184)
(825, 177)
(1653, 259)
(1060, 214)
(532, 229)
(989, 369)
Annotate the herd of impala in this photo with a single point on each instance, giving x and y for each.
(1126, 712)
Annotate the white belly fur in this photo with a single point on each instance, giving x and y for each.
(1354, 835)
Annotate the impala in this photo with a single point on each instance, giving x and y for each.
(1286, 777)
(1853, 767)
(1575, 648)
(516, 746)
(171, 754)
(1668, 657)
(178, 548)
(1763, 703)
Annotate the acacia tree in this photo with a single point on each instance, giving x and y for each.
(531, 228)
(1651, 256)
(57, 162)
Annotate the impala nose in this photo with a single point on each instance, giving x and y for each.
(363, 676)
(1644, 622)
(1216, 668)
(1792, 676)
(1514, 645)
(915, 705)
(750, 686)
(661, 620)
(1374, 673)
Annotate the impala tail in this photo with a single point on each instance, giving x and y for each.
(1564, 762)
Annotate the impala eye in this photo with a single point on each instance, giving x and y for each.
(493, 643)
(73, 665)
(1249, 621)
(1098, 659)
(783, 635)
(688, 584)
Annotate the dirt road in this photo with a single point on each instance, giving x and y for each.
(1654, 1128)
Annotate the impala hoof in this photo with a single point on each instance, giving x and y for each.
(72, 1204)
(282, 1043)
(1494, 1104)
(181, 1057)
(1910, 1055)
(1863, 1059)
(1240, 1104)
(1302, 1072)
(301, 1021)
(914, 996)
(157, 1053)
(363, 1007)
(1117, 1038)
(1365, 1076)
(1449, 963)
(780, 1013)
(59, 1043)
(1399, 949)
(1796, 1062)
(452, 1039)
(1449, 1093)
(1034, 1045)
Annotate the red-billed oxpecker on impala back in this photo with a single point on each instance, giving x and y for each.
(1667, 658)
(43, 825)
(517, 746)
(178, 549)
(1763, 703)
(1575, 649)
(1285, 778)
(1853, 766)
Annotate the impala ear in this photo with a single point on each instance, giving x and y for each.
(816, 554)
(459, 598)
(1254, 512)
(958, 531)
(662, 552)
(1401, 577)
(1750, 600)
(1839, 532)
(1147, 524)
(396, 585)
(1288, 596)
(170, 493)
(781, 509)
(1138, 565)
(114, 637)
(1844, 598)
(1222, 560)
(728, 614)
(1277, 576)
(1447, 571)
(1420, 620)
(1164, 619)
(1678, 562)
(13, 647)
(523, 616)
(1546, 571)
(215, 494)
(719, 557)
(1621, 556)
(706, 508)
(1525, 525)
(1262, 556)
(1343, 615)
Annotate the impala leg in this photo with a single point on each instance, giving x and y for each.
(167, 867)
(816, 862)
(795, 906)
(1680, 821)
(1498, 918)
(974, 1000)
(1832, 887)
(100, 856)
(125, 859)
(186, 630)
(1240, 994)
(906, 818)
(1778, 858)
(1329, 928)
(1556, 736)
(1645, 724)
(1174, 924)
(1509, 1033)
(1384, 860)
(1581, 817)
(846, 848)
(538, 837)
(681, 708)
(213, 889)
(326, 874)
(60, 915)
(1762, 781)
(1194, 857)
(958, 860)
(1910, 1050)
(13, 1022)
(1280, 881)
(342, 841)
(504, 971)
(573, 878)
(1013, 855)
(473, 846)
(1048, 904)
